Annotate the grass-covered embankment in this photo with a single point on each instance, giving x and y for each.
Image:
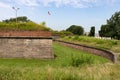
(113, 45)
(69, 64)
(22, 26)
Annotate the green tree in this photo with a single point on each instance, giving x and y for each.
(114, 25)
(19, 19)
(103, 31)
(43, 23)
(112, 28)
(92, 31)
(22, 19)
(77, 30)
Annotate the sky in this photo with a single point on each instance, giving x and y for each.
(64, 13)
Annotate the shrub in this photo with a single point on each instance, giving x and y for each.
(114, 42)
(83, 59)
(76, 37)
(69, 37)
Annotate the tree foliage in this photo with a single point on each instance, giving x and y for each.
(43, 23)
(19, 19)
(77, 30)
(92, 31)
(112, 28)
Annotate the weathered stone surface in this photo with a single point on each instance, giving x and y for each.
(21, 47)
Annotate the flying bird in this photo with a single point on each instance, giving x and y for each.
(49, 13)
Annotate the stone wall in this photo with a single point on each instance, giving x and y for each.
(104, 53)
(23, 45)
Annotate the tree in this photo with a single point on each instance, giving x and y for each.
(92, 32)
(78, 30)
(20, 19)
(104, 31)
(112, 28)
(43, 23)
(114, 25)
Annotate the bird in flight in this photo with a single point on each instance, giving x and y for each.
(49, 13)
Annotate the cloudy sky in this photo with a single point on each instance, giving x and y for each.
(64, 13)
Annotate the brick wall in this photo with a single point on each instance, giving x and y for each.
(26, 33)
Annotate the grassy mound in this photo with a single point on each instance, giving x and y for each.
(23, 26)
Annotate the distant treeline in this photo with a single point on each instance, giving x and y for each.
(19, 19)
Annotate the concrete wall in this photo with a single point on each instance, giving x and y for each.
(104, 53)
(22, 45)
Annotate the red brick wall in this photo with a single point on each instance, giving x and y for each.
(25, 33)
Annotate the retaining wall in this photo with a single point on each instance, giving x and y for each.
(104, 53)
(27, 44)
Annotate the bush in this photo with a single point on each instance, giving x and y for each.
(114, 42)
(79, 61)
(76, 37)
(69, 37)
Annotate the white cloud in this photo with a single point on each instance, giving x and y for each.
(73, 3)
(106, 2)
(112, 2)
(58, 3)
(4, 5)
(27, 2)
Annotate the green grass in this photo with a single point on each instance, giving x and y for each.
(113, 45)
(64, 56)
(26, 26)
(60, 68)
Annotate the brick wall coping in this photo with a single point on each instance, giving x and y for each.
(25, 37)
(25, 34)
(101, 52)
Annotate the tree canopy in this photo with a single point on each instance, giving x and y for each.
(92, 31)
(19, 19)
(112, 28)
(77, 30)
